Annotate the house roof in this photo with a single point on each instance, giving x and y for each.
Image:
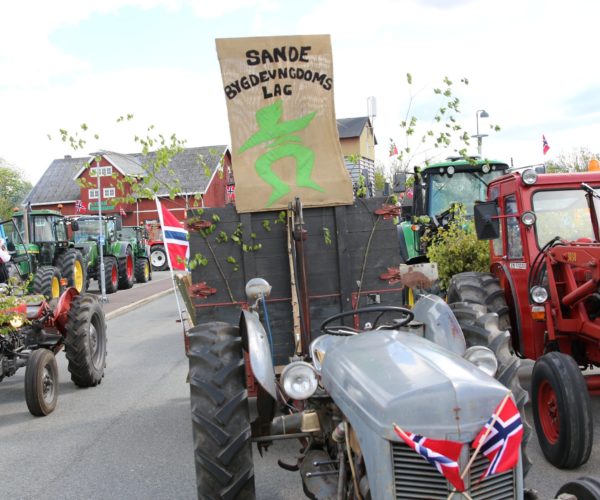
(193, 167)
(353, 127)
(56, 184)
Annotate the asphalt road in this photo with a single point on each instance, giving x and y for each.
(131, 438)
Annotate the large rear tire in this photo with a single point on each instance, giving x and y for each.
(481, 328)
(562, 410)
(73, 270)
(480, 288)
(126, 270)
(41, 383)
(85, 342)
(47, 282)
(158, 258)
(220, 415)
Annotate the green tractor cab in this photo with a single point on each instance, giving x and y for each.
(93, 234)
(43, 249)
(436, 188)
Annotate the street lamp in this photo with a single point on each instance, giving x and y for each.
(483, 114)
(103, 297)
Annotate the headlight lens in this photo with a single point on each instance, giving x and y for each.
(299, 380)
(528, 218)
(539, 294)
(529, 177)
(16, 321)
(483, 358)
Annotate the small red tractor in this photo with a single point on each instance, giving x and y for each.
(33, 331)
(544, 284)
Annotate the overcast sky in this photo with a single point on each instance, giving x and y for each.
(532, 65)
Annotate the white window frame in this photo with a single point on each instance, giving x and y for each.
(93, 194)
(104, 171)
(109, 192)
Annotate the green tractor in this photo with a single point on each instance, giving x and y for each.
(138, 236)
(94, 233)
(436, 188)
(41, 247)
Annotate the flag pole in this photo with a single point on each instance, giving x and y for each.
(483, 438)
(162, 229)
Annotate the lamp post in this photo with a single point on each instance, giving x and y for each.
(103, 297)
(483, 114)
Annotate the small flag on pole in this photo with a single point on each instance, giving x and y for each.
(175, 238)
(393, 148)
(80, 207)
(443, 455)
(500, 438)
(545, 146)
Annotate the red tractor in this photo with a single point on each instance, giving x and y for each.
(544, 285)
(33, 331)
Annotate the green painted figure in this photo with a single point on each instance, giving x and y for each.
(280, 142)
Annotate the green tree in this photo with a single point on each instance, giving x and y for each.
(13, 188)
(574, 161)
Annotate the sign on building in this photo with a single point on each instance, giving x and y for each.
(279, 93)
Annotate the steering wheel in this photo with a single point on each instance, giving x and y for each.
(406, 317)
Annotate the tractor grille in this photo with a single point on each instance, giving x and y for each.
(415, 478)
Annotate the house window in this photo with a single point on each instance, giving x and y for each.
(93, 194)
(104, 171)
(108, 192)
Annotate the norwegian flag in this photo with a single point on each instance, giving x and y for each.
(545, 146)
(80, 207)
(175, 238)
(503, 442)
(443, 455)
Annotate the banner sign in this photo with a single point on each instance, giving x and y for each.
(285, 144)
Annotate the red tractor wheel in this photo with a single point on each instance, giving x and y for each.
(562, 411)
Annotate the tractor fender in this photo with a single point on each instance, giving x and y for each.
(441, 326)
(255, 338)
(500, 271)
(62, 309)
(120, 249)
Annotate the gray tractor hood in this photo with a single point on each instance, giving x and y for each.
(390, 376)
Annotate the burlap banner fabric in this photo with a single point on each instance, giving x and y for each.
(279, 93)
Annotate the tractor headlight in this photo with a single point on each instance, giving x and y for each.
(299, 380)
(483, 358)
(529, 177)
(528, 218)
(16, 321)
(539, 294)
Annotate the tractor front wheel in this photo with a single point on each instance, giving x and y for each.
(583, 488)
(562, 411)
(111, 274)
(143, 273)
(220, 415)
(41, 383)
(73, 270)
(85, 342)
(47, 282)
(126, 270)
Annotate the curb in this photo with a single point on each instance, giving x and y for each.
(133, 305)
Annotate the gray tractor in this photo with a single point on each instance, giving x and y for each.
(342, 402)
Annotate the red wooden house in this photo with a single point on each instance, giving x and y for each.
(201, 177)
